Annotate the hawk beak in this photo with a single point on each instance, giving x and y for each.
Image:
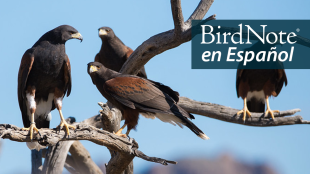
(92, 69)
(102, 32)
(77, 36)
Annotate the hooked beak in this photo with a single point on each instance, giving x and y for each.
(77, 36)
(93, 69)
(102, 32)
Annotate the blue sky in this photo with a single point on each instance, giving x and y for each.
(286, 148)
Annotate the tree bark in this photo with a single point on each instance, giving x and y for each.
(56, 157)
(82, 160)
(228, 114)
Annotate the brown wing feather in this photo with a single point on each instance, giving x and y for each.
(67, 74)
(24, 70)
(280, 81)
(143, 94)
(128, 52)
(238, 80)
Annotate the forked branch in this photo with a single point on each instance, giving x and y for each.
(82, 132)
(228, 114)
(166, 40)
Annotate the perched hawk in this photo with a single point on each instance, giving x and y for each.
(256, 85)
(44, 78)
(133, 95)
(114, 53)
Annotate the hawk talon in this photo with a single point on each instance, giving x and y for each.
(32, 129)
(269, 111)
(120, 134)
(65, 125)
(245, 112)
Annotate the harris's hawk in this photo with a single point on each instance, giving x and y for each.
(113, 52)
(133, 95)
(255, 86)
(44, 78)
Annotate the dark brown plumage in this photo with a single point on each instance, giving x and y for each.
(254, 86)
(114, 53)
(134, 95)
(44, 78)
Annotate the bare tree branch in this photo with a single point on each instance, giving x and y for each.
(70, 164)
(82, 132)
(177, 17)
(79, 159)
(71, 169)
(82, 159)
(201, 10)
(55, 157)
(166, 40)
(228, 114)
(111, 118)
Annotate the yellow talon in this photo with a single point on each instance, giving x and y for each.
(119, 132)
(63, 123)
(269, 111)
(245, 110)
(121, 135)
(31, 129)
(66, 126)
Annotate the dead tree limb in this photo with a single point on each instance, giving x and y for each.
(177, 17)
(111, 118)
(83, 132)
(228, 114)
(56, 157)
(166, 40)
(82, 160)
(79, 160)
(71, 169)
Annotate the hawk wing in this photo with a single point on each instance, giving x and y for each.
(23, 73)
(67, 75)
(135, 92)
(238, 79)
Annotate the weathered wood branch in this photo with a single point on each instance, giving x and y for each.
(56, 157)
(82, 132)
(201, 10)
(111, 118)
(82, 160)
(228, 114)
(71, 169)
(79, 161)
(177, 17)
(166, 40)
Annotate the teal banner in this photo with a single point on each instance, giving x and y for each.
(251, 44)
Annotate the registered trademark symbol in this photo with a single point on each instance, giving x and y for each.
(298, 30)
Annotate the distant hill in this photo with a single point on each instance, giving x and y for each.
(223, 165)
